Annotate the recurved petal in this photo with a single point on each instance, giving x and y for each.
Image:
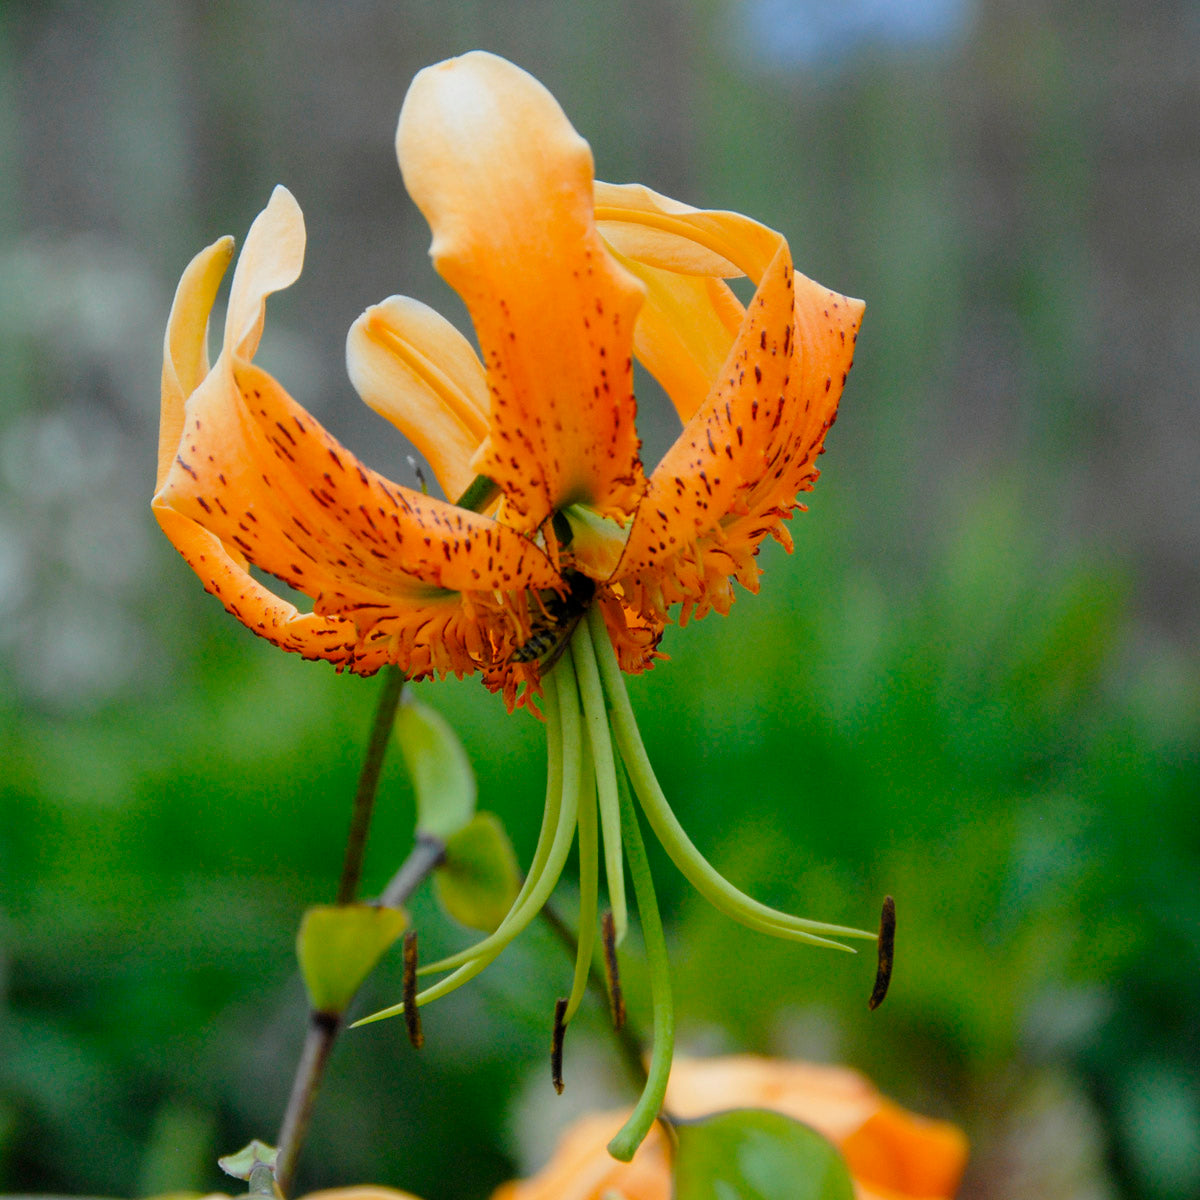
(185, 346)
(414, 368)
(226, 576)
(271, 260)
(260, 472)
(506, 185)
(651, 228)
(421, 583)
(736, 468)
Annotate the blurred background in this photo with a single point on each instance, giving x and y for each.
(974, 685)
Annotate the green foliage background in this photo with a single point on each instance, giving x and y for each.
(973, 685)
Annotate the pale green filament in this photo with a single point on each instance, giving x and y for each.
(563, 681)
(596, 721)
(705, 878)
(550, 816)
(589, 884)
(649, 1105)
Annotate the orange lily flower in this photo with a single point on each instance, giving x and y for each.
(566, 281)
(892, 1154)
(559, 562)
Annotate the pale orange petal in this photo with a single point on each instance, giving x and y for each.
(582, 1169)
(271, 260)
(506, 185)
(902, 1155)
(258, 472)
(226, 577)
(735, 471)
(185, 347)
(684, 332)
(253, 479)
(414, 368)
(672, 236)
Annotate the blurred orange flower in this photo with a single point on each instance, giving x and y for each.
(892, 1154)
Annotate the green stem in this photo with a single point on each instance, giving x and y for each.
(368, 783)
(318, 1044)
(702, 875)
(427, 853)
(600, 736)
(646, 1111)
(480, 492)
(323, 1028)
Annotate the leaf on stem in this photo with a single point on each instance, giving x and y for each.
(479, 878)
(440, 770)
(338, 947)
(752, 1154)
(243, 1161)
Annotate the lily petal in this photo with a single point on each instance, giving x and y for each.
(644, 225)
(414, 368)
(271, 259)
(185, 347)
(395, 576)
(684, 331)
(505, 183)
(736, 468)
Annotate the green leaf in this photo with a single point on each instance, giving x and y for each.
(752, 1154)
(338, 947)
(441, 772)
(478, 880)
(242, 1162)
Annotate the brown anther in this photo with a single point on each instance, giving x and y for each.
(887, 946)
(556, 1044)
(412, 1014)
(612, 974)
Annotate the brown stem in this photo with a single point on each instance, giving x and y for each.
(368, 784)
(323, 1028)
(322, 1032)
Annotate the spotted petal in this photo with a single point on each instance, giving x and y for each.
(735, 470)
(506, 185)
(395, 576)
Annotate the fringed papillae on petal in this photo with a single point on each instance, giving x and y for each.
(734, 473)
(395, 576)
(505, 183)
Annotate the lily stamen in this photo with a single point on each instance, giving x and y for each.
(887, 953)
(612, 973)
(412, 1014)
(556, 1044)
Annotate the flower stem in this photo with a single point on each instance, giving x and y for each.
(318, 1043)
(646, 1112)
(368, 783)
(323, 1028)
